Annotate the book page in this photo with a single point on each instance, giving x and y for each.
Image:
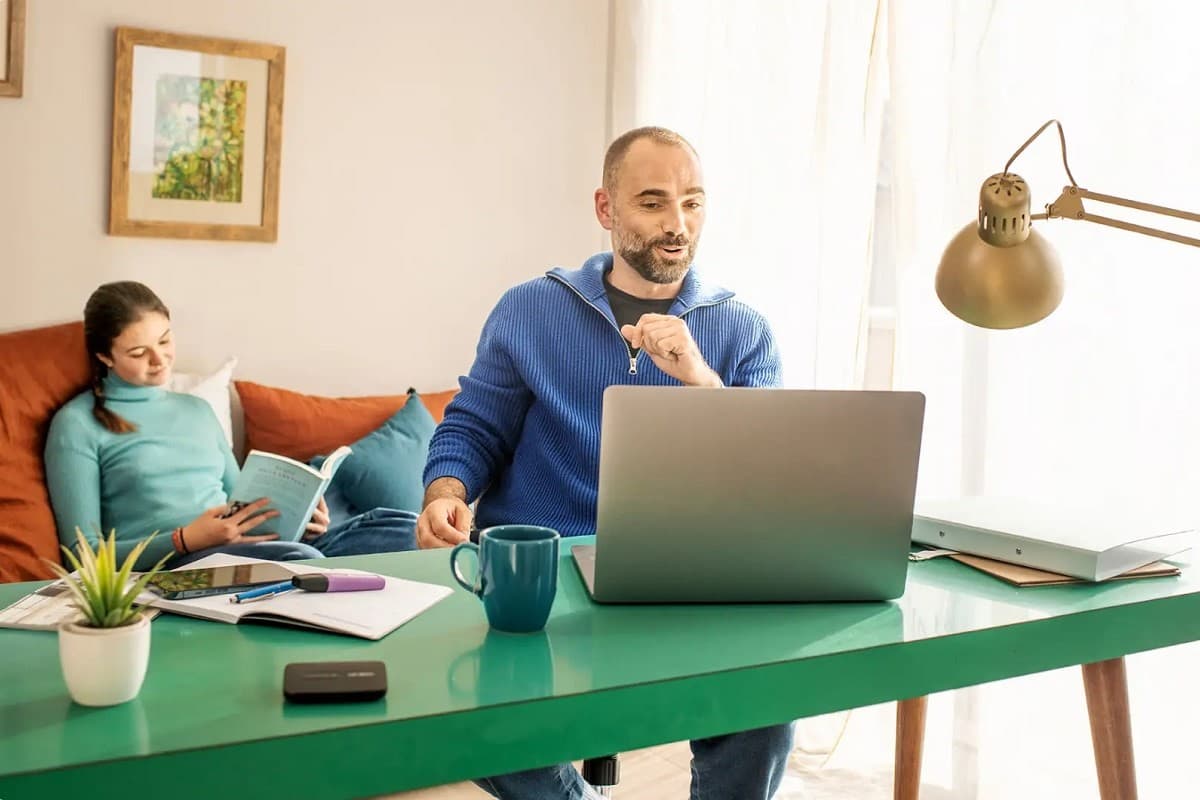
(330, 466)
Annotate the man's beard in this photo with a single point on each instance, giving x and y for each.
(642, 255)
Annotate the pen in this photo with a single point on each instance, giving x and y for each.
(262, 592)
(316, 582)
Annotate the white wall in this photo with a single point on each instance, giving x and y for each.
(434, 153)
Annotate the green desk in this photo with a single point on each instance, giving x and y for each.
(210, 720)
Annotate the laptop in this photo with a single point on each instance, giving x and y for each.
(753, 495)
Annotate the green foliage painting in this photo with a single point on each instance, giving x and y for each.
(199, 138)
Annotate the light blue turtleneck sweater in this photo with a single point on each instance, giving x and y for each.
(174, 466)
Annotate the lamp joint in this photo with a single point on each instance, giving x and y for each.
(1069, 204)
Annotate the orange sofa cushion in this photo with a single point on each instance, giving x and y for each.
(301, 426)
(40, 369)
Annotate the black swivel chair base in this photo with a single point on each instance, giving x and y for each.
(603, 773)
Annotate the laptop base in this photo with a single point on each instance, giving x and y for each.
(584, 556)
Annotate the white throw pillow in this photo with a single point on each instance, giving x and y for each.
(214, 388)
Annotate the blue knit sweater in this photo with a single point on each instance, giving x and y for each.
(523, 435)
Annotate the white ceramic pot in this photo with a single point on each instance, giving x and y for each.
(104, 666)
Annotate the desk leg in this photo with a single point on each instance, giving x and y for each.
(1112, 739)
(910, 738)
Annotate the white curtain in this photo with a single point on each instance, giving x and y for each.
(1098, 404)
(783, 101)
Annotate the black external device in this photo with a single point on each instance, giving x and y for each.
(334, 681)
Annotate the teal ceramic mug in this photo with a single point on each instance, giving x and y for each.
(517, 575)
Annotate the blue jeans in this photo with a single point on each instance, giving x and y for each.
(740, 766)
(383, 530)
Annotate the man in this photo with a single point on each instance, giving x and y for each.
(523, 435)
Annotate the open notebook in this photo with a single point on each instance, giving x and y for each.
(369, 615)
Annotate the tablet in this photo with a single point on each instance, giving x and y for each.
(185, 583)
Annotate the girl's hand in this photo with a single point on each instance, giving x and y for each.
(319, 523)
(213, 528)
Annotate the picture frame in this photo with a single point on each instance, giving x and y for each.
(12, 47)
(197, 135)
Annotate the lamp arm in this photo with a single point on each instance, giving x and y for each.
(1069, 205)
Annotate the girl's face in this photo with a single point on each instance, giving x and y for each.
(144, 351)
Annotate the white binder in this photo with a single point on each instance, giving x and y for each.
(1094, 543)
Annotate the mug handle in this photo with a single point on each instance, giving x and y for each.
(475, 587)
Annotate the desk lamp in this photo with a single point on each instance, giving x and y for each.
(998, 272)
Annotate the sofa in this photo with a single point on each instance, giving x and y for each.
(42, 368)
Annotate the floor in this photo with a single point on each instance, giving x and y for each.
(1024, 738)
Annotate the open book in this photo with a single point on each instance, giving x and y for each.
(294, 489)
(368, 615)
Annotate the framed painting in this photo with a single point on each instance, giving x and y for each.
(12, 47)
(196, 137)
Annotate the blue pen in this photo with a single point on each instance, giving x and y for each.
(262, 591)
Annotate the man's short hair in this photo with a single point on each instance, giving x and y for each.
(620, 146)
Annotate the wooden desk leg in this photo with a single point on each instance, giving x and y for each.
(1112, 739)
(910, 738)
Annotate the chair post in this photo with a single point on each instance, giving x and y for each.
(603, 773)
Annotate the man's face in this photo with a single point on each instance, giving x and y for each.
(657, 210)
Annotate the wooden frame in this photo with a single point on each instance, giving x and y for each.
(14, 74)
(125, 221)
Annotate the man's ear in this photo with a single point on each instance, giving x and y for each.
(604, 211)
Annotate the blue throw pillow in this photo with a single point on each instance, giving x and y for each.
(386, 467)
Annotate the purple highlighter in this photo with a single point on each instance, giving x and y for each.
(320, 582)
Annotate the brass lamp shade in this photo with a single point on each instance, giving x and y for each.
(999, 287)
(998, 272)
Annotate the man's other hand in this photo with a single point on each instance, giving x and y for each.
(445, 522)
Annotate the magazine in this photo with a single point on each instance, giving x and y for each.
(368, 615)
(46, 609)
(293, 487)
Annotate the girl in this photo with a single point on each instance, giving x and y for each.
(131, 456)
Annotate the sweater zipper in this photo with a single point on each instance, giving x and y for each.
(629, 349)
(632, 355)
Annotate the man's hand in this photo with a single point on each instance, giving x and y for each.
(670, 345)
(446, 519)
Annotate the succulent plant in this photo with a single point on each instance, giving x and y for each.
(100, 588)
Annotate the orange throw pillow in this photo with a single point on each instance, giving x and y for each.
(301, 426)
(40, 370)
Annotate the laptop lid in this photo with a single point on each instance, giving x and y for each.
(738, 494)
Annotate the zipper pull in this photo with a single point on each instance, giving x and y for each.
(633, 365)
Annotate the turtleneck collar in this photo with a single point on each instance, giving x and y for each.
(117, 389)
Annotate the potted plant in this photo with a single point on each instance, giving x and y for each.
(104, 655)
